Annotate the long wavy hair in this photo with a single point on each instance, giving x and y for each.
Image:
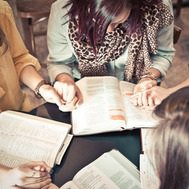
(3, 41)
(171, 141)
(94, 16)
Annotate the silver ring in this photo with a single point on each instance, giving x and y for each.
(33, 173)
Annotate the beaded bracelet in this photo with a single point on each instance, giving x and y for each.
(150, 76)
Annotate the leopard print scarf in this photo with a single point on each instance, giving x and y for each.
(114, 44)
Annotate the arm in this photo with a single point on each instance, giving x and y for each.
(25, 64)
(61, 55)
(32, 175)
(162, 60)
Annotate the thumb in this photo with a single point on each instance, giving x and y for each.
(57, 100)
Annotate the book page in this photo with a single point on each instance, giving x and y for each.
(11, 160)
(30, 137)
(136, 117)
(102, 106)
(148, 177)
(107, 172)
(146, 139)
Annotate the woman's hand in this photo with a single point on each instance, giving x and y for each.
(68, 91)
(151, 97)
(32, 175)
(50, 186)
(144, 84)
(140, 97)
(50, 94)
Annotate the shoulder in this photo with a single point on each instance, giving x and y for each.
(58, 10)
(6, 14)
(5, 9)
(167, 2)
(58, 6)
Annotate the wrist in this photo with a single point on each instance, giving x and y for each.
(64, 77)
(145, 79)
(151, 76)
(37, 88)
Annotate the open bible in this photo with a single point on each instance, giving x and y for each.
(148, 175)
(110, 170)
(107, 107)
(25, 137)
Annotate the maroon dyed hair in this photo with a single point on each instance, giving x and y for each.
(94, 16)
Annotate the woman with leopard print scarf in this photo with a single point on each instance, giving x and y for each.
(129, 39)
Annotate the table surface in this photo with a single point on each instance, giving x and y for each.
(85, 149)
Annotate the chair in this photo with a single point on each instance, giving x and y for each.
(176, 34)
(178, 5)
(32, 12)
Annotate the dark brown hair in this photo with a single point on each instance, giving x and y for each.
(94, 16)
(171, 141)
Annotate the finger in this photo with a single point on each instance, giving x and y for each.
(134, 99)
(71, 93)
(60, 87)
(144, 98)
(36, 184)
(37, 174)
(139, 99)
(46, 187)
(150, 102)
(57, 100)
(66, 108)
(50, 186)
(150, 84)
(69, 106)
(36, 165)
(74, 102)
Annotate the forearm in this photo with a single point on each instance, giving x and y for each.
(30, 77)
(55, 69)
(185, 83)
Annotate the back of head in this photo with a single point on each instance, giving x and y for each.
(171, 141)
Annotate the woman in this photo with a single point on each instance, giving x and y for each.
(17, 66)
(170, 147)
(130, 39)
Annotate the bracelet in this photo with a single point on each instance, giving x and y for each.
(150, 76)
(36, 90)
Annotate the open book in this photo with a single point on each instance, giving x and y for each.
(25, 137)
(107, 107)
(148, 177)
(110, 170)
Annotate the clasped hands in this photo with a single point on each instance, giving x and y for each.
(31, 175)
(64, 93)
